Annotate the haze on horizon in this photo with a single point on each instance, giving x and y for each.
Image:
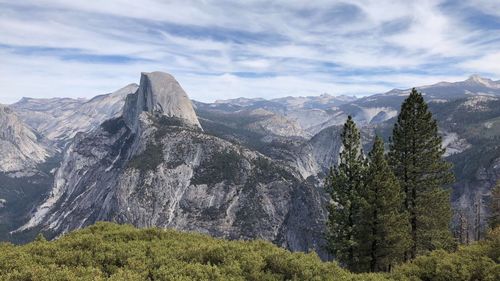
(223, 49)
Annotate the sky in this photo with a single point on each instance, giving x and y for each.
(228, 49)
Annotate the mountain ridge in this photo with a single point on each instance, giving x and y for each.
(60, 119)
(115, 168)
(163, 170)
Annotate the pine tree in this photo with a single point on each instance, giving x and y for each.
(416, 156)
(343, 184)
(494, 220)
(385, 227)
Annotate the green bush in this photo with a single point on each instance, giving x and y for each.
(107, 251)
(474, 262)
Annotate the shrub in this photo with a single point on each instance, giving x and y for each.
(107, 251)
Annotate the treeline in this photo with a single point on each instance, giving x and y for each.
(107, 251)
(390, 208)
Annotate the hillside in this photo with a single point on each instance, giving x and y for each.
(107, 251)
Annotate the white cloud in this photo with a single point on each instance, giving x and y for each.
(360, 47)
(488, 64)
(228, 86)
(491, 7)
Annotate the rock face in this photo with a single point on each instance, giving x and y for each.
(471, 201)
(21, 149)
(159, 94)
(154, 166)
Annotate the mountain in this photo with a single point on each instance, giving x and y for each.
(316, 113)
(159, 94)
(244, 168)
(311, 114)
(26, 161)
(472, 126)
(323, 101)
(22, 149)
(59, 119)
(155, 166)
(468, 113)
(436, 93)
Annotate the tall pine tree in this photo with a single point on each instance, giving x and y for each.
(344, 184)
(416, 156)
(385, 227)
(494, 219)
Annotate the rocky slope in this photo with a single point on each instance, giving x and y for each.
(25, 164)
(21, 149)
(59, 119)
(155, 166)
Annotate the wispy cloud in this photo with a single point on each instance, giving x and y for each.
(223, 49)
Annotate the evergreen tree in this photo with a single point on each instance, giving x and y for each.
(344, 184)
(385, 227)
(40, 238)
(416, 156)
(494, 220)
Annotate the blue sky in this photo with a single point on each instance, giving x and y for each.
(227, 49)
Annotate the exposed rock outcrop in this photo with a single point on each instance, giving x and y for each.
(159, 94)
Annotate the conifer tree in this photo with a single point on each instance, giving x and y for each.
(385, 227)
(344, 184)
(494, 220)
(416, 156)
(40, 238)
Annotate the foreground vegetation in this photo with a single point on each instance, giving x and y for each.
(108, 251)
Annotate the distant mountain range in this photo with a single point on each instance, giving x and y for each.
(59, 119)
(241, 168)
